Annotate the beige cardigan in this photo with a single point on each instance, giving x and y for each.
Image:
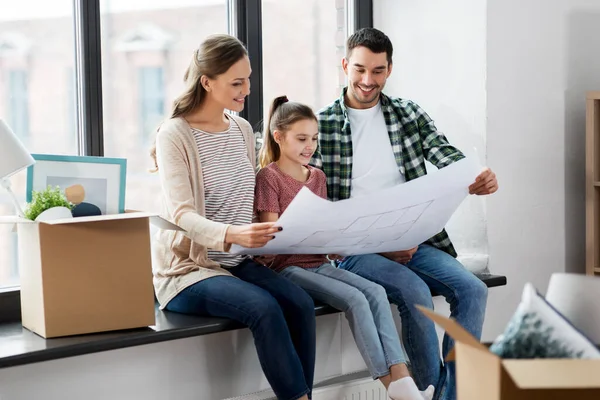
(180, 259)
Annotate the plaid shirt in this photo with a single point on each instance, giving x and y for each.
(414, 139)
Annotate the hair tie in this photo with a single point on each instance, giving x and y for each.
(285, 99)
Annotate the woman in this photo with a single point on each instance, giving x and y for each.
(206, 161)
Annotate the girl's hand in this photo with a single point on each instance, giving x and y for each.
(251, 235)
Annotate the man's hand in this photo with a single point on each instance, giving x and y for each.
(485, 183)
(402, 257)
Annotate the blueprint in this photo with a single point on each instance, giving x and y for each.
(398, 218)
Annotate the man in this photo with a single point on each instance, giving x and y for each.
(369, 141)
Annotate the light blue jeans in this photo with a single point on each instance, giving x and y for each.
(366, 307)
(430, 269)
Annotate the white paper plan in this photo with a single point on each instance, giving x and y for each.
(397, 218)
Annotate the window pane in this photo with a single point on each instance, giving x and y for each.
(303, 62)
(37, 97)
(146, 47)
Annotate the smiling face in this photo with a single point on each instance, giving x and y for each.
(299, 142)
(367, 73)
(231, 88)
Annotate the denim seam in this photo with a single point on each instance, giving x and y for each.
(395, 362)
(306, 391)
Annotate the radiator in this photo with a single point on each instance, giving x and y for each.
(341, 388)
(359, 389)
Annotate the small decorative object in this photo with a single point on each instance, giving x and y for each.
(537, 330)
(76, 194)
(13, 158)
(95, 185)
(48, 205)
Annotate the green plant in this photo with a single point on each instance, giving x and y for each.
(44, 200)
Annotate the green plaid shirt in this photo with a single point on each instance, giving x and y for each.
(414, 139)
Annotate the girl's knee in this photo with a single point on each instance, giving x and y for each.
(355, 301)
(376, 293)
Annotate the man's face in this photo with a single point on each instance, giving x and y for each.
(367, 73)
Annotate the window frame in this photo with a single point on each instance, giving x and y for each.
(245, 22)
(18, 104)
(149, 98)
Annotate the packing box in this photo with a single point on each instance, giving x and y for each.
(87, 274)
(481, 374)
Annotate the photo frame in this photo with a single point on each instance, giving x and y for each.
(100, 181)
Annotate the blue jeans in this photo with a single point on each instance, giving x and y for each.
(280, 315)
(366, 307)
(429, 269)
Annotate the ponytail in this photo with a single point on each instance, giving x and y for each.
(269, 151)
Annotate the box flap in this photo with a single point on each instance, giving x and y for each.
(554, 373)
(477, 371)
(98, 218)
(162, 223)
(452, 328)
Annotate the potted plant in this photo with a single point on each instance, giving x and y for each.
(48, 204)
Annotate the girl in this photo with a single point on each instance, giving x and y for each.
(206, 162)
(289, 143)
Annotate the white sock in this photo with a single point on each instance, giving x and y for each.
(404, 389)
(428, 393)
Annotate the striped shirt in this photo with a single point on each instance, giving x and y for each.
(228, 182)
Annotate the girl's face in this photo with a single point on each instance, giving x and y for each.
(299, 142)
(230, 88)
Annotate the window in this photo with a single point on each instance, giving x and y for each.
(146, 47)
(306, 65)
(34, 95)
(151, 99)
(18, 103)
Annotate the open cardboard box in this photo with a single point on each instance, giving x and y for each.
(87, 274)
(481, 375)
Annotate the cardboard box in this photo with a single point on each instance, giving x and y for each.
(481, 375)
(87, 274)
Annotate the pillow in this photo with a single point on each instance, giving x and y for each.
(538, 330)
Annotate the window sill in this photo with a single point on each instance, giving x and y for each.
(19, 346)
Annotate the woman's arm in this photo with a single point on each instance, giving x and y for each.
(178, 194)
(266, 216)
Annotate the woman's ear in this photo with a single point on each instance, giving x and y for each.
(205, 82)
(277, 136)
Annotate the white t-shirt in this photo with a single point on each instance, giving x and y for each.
(374, 165)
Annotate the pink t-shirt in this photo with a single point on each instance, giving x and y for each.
(274, 191)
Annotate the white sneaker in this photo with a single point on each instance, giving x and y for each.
(406, 389)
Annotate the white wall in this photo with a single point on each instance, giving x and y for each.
(439, 62)
(542, 56)
(511, 75)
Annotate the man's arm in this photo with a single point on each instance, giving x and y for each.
(438, 151)
(436, 148)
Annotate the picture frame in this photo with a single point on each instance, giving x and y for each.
(100, 181)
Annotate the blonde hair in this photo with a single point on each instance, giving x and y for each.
(216, 54)
(282, 115)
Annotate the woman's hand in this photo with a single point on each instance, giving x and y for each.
(251, 235)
